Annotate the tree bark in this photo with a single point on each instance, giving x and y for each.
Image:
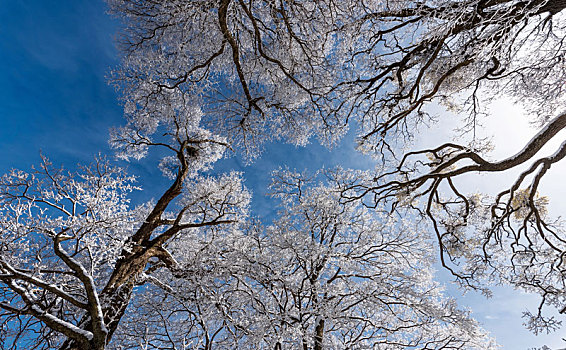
(319, 335)
(116, 295)
(553, 6)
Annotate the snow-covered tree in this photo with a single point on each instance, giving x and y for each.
(73, 251)
(305, 68)
(202, 78)
(324, 275)
(463, 55)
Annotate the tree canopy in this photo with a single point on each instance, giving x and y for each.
(347, 261)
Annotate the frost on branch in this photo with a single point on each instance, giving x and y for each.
(324, 274)
(259, 70)
(72, 251)
(176, 129)
(60, 232)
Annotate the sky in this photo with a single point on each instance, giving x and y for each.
(55, 101)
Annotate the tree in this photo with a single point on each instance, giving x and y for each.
(302, 68)
(73, 251)
(462, 55)
(200, 78)
(324, 275)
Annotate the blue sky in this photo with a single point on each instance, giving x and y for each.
(54, 57)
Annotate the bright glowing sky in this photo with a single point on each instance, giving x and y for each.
(54, 56)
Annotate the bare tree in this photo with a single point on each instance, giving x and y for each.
(200, 78)
(304, 68)
(73, 251)
(463, 54)
(324, 275)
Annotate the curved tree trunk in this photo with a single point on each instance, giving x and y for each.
(116, 295)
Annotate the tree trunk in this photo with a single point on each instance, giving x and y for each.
(115, 297)
(117, 293)
(319, 335)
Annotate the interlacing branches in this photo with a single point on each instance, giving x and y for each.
(325, 274)
(509, 237)
(203, 77)
(73, 250)
(436, 52)
(50, 223)
(261, 69)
